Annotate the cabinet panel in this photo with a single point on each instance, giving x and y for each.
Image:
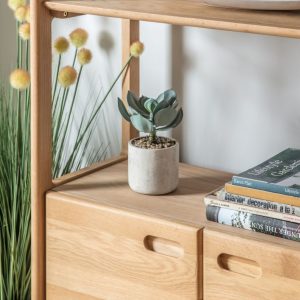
(96, 252)
(247, 269)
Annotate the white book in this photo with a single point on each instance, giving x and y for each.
(214, 201)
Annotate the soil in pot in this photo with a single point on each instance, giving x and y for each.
(159, 143)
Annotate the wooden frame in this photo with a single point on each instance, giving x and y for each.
(41, 130)
(41, 137)
(177, 12)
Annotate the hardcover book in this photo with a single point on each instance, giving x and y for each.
(279, 174)
(262, 204)
(275, 227)
(260, 194)
(214, 201)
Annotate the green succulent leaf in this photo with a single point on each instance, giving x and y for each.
(123, 111)
(161, 105)
(175, 123)
(143, 99)
(166, 99)
(150, 105)
(135, 104)
(178, 119)
(165, 117)
(168, 95)
(141, 124)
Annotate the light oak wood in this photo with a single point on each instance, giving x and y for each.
(63, 14)
(131, 78)
(88, 170)
(239, 265)
(59, 293)
(188, 13)
(183, 206)
(108, 192)
(105, 241)
(257, 4)
(41, 140)
(105, 229)
(99, 252)
(109, 187)
(272, 273)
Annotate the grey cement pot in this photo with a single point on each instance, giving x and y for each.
(153, 171)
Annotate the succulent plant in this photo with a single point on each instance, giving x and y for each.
(150, 115)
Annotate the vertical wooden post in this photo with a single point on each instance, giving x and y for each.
(131, 79)
(41, 140)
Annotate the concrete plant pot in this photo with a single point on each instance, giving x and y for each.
(153, 171)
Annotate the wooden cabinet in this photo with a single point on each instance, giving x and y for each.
(237, 267)
(104, 241)
(111, 254)
(115, 244)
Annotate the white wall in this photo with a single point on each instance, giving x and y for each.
(240, 92)
(241, 96)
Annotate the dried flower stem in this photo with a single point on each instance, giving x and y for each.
(94, 115)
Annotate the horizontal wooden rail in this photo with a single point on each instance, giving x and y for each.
(188, 13)
(88, 170)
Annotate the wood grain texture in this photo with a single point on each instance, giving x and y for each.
(109, 187)
(88, 170)
(131, 78)
(257, 4)
(99, 252)
(41, 140)
(279, 278)
(188, 13)
(59, 293)
(100, 225)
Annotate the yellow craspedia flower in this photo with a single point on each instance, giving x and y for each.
(84, 56)
(14, 4)
(24, 31)
(61, 45)
(79, 37)
(20, 13)
(19, 79)
(136, 49)
(67, 76)
(27, 16)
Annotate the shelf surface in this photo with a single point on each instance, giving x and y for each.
(188, 13)
(109, 188)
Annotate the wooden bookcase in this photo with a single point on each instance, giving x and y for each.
(93, 238)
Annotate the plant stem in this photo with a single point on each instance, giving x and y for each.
(108, 92)
(67, 125)
(81, 136)
(152, 136)
(56, 76)
(74, 60)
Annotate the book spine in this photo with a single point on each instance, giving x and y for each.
(260, 185)
(259, 203)
(212, 200)
(260, 194)
(275, 227)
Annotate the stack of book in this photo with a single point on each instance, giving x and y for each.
(264, 199)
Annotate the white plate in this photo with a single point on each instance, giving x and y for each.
(257, 4)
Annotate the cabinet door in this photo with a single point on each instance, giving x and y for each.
(96, 252)
(237, 268)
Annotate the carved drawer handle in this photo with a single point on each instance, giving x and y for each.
(163, 246)
(239, 265)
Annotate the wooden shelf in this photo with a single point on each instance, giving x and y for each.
(188, 13)
(109, 187)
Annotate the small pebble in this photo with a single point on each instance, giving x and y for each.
(159, 143)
